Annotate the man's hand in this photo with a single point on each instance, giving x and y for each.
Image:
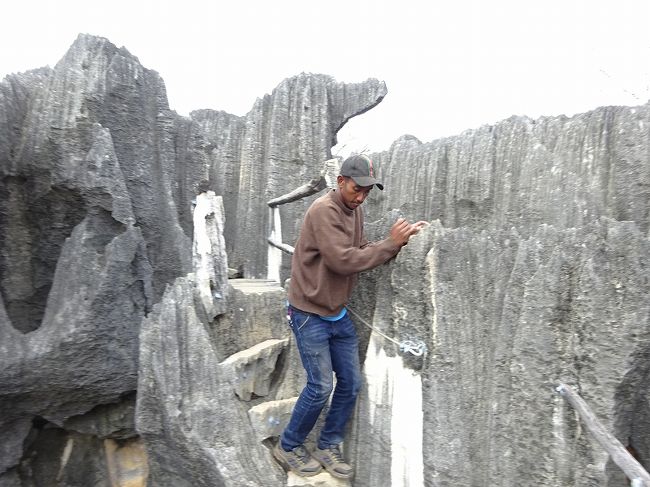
(402, 230)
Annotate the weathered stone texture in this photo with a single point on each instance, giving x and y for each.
(223, 132)
(88, 332)
(98, 182)
(95, 133)
(565, 172)
(192, 408)
(507, 318)
(253, 370)
(272, 150)
(537, 274)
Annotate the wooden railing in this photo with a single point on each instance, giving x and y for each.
(626, 462)
(321, 180)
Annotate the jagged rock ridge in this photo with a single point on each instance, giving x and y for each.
(566, 172)
(98, 180)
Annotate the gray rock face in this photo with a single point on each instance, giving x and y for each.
(93, 134)
(506, 319)
(274, 149)
(565, 172)
(534, 274)
(119, 221)
(98, 182)
(196, 428)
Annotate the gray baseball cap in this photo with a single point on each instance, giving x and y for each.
(359, 168)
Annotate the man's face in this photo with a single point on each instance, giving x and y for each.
(351, 193)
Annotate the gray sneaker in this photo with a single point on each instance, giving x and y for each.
(297, 460)
(332, 459)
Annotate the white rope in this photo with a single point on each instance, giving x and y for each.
(414, 347)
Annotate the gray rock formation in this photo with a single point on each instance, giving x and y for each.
(98, 182)
(565, 172)
(535, 274)
(506, 319)
(274, 149)
(120, 332)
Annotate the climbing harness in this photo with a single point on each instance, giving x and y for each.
(415, 347)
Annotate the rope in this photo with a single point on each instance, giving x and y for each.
(414, 347)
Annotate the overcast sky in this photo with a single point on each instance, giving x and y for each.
(449, 65)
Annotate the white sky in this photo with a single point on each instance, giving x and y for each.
(449, 65)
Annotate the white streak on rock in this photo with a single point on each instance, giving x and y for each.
(407, 423)
(390, 383)
(210, 260)
(275, 254)
(65, 457)
(560, 438)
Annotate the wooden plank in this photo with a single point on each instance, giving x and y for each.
(312, 187)
(609, 442)
(282, 246)
(327, 176)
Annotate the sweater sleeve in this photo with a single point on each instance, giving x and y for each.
(335, 245)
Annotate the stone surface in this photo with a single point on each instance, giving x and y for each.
(276, 147)
(256, 313)
(209, 257)
(196, 429)
(252, 370)
(58, 457)
(84, 352)
(560, 171)
(98, 182)
(323, 479)
(127, 463)
(107, 421)
(506, 318)
(11, 448)
(269, 418)
(545, 215)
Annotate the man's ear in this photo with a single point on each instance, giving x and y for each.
(340, 180)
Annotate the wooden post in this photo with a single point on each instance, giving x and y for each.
(312, 187)
(609, 442)
(288, 249)
(327, 176)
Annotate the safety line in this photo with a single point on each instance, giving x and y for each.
(414, 347)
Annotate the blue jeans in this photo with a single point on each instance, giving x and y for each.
(325, 347)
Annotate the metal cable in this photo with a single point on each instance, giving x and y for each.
(414, 347)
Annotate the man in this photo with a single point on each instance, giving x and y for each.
(330, 251)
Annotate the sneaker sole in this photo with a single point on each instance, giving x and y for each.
(339, 475)
(334, 473)
(285, 465)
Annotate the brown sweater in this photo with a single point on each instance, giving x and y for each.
(330, 251)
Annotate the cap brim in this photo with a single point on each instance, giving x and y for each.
(367, 181)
